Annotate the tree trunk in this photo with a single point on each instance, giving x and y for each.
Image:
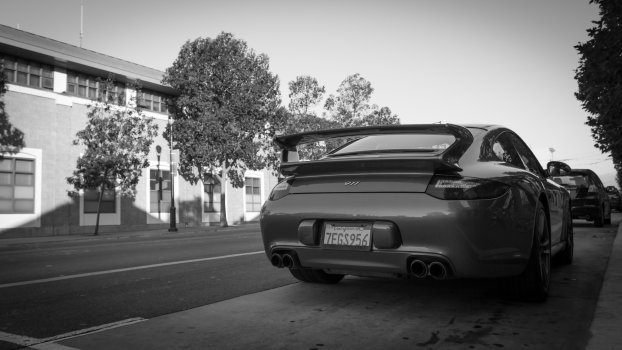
(223, 210)
(99, 204)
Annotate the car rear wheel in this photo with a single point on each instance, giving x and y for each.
(315, 276)
(533, 284)
(566, 255)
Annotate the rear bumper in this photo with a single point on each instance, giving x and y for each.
(479, 238)
(585, 212)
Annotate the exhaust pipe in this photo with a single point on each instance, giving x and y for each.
(419, 268)
(288, 261)
(437, 270)
(276, 260)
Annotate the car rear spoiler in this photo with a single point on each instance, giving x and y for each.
(448, 160)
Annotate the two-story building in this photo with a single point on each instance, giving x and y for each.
(50, 85)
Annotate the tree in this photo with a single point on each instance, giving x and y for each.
(310, 122)
(599, 77)
(226, 113)
(351, 102)
(304, 93)
(379, 116)
(117, 141)
(350, 107)
(11, 138)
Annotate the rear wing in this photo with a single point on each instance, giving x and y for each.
(446, 160)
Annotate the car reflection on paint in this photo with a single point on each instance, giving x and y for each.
(419, 201)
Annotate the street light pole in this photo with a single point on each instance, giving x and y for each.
(159, 178)
(173, 216)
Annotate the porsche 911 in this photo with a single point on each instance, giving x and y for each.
(418, 201)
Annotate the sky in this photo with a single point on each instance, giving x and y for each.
(501, 62)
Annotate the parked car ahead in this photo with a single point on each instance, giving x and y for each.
(590, 200)
(418, 201)
(614, 197)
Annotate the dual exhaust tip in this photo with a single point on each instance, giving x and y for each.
(418, 268)
(435, 269)
(283, 260)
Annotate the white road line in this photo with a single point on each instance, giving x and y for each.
(48, 343)
(60, 278)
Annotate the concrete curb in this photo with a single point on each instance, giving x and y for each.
(606, 327)
(4, 242)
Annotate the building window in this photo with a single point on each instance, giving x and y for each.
(211, 194)
(153, 102)
(253, 193)
(27, 73)
(94, 88)
(17, 185)
(91, 201)
(159, 197)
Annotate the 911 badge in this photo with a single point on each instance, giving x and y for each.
(351, 183)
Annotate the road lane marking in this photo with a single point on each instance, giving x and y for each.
(88, 274)
(48, 343)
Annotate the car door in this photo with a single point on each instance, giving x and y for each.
(554, 192)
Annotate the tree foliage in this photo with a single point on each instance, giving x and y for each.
(311, 122)
(304, 93)
(226, 113)
(351, 102)
(351, 106)
(599, 78)
(11, 138)
(117, 141)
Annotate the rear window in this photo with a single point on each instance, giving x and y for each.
(573, 180)
(394, 143)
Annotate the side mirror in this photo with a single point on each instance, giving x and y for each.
(557, 168)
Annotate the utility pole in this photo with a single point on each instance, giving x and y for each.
(81, 21)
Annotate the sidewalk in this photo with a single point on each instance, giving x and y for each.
(606, 327)
(163, 232)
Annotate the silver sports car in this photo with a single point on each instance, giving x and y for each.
(433, 200)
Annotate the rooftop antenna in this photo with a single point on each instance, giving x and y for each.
(81, 20)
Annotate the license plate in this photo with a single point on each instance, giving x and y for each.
(347, 235)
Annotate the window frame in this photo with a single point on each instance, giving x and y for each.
(107, 201)
(166, 193)
(254, 204)
(526, 155)
(13, 66)
(148, 99)
(13, 178)
(94, 88)
(505, 141)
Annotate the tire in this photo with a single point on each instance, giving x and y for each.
(566, 255)
(315, 276)
(533, 284)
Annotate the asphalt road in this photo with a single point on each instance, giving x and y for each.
(102, 296)
(263, 307)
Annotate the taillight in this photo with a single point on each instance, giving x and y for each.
(449, 187)
(280, 190)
